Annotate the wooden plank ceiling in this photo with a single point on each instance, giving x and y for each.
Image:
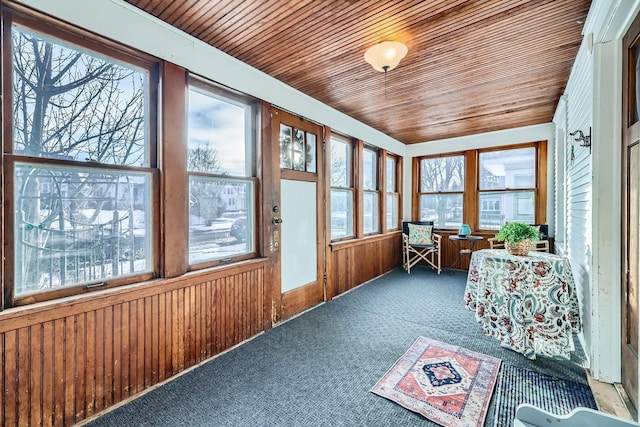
(472, 66)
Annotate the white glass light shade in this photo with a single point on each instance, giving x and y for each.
(385, 56)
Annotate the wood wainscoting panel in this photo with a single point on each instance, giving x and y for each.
(303, 298)
(452, 258)
(63, 361)
(451, 248)
(354, 262)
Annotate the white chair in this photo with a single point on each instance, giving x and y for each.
(531, 416)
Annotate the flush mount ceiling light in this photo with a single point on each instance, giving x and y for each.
(385, 56)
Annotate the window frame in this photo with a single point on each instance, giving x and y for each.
(418, 187)
(534, 189)
(376, 191)
(471, 193)
(99, 46)
(233, 97)
(386, 156)
(351, 187)
(505, 190)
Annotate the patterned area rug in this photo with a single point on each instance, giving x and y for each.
(445, 383)
(517, 385)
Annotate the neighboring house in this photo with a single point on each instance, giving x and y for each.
(234, 199)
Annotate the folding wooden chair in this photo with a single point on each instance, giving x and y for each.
(542, 245)
(495, 243)
(420, 243)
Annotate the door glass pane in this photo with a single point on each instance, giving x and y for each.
(79, 225)
(341, 213)
(298, 150)
(298, 234)
(498, 208)
(445, 210)
(311, 152)
(508, 169)
(286, 147)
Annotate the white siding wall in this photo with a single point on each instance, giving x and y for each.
(593, 186)
(577, 114)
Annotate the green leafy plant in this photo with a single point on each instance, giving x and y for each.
(514, 232)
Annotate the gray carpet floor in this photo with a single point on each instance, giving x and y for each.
(317, 369)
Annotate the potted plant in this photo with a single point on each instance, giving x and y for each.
(518, 237)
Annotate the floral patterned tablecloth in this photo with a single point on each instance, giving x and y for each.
(529, 303)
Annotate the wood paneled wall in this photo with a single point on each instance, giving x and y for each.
(451, 256)
(355, 262)
(67, 360)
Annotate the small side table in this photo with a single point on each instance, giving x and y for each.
(464, 251)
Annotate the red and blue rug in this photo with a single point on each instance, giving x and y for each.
(447, 384)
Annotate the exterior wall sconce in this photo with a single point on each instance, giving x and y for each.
(584, 140)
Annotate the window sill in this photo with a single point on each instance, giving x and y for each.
(364, 240)
(17, 317)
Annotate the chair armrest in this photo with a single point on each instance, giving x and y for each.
(495, 243)
(541, 245)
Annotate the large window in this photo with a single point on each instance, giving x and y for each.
(371, 196)
(221, 135)
(392, 192)
(441, 190)
(483, 188)
(507, 187)
(81, 165)
(342, 190)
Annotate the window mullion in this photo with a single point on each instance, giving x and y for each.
(471, 186)
(174, 207)
(382, 187)
(359, 183)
